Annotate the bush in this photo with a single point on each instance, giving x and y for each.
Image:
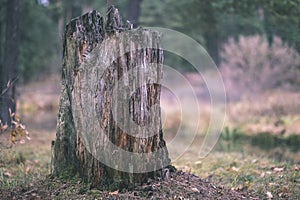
(251, 65)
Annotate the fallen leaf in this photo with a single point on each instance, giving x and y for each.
(198, 164)
(239, 187)
(278, 169)
(233, 169)
(186, 169)
(273, 184)
(13, 139)
(23, 126)
(114, 193)
(4, 127)
(285, 189)
(28, 168)
(8, 174)
(269, 195)
(195, 190)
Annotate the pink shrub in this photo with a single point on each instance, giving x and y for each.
(251, 65)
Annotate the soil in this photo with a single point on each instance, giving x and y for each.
(179, 185)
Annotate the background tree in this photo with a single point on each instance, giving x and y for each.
(10, 61)
(212, 23)
(133, 11)
(38, 42)
(2, 32)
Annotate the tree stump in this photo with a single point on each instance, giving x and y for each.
(109, 122)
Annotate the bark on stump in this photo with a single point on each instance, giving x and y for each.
(109, 121)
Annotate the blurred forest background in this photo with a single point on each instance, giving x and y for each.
(255, 44)
(211, 23)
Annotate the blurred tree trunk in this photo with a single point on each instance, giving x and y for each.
(212, 45)
(133, 11)
(211, 34)
(1, 62)
(86, 6)
(69, 10)
(104, 138)
(10, 64)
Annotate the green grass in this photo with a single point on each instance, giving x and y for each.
(21, 167)
(22, 164)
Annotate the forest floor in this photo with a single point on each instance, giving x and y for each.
(179, 185)
(229, 172)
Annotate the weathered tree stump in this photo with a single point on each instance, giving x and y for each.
(109, 121)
